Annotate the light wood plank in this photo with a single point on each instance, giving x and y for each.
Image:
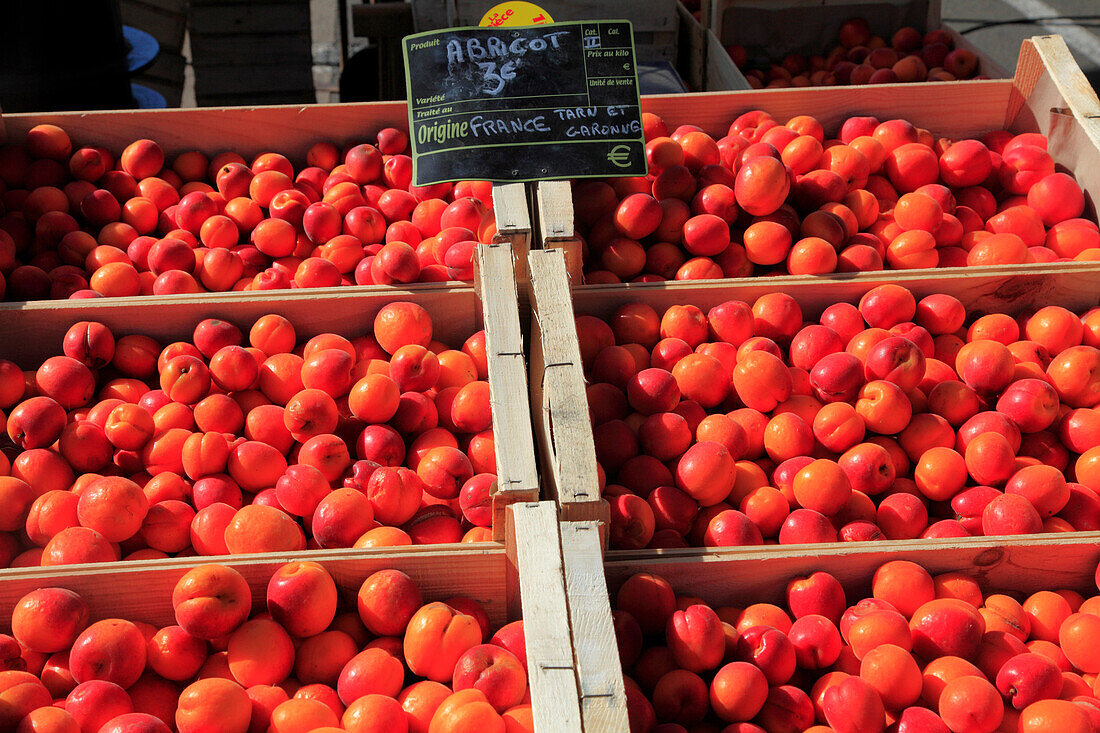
(510, 206)
(952, 109)
(565, 425)
(554, 209)
(981, 289)
(476, 571)
(32, 331)
(288, 129)
(749, 575)
(555, 214)
(517, 476)
(513, 219)
(1052, 96)
(603, 696)
(551, 667)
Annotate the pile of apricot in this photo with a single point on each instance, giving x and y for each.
(775, 199)
(386, 661)
(862, 58)
(893, 419)
(88, 222)
(919, 653)
(238, 442)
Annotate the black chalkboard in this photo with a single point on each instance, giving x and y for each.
(523, 104)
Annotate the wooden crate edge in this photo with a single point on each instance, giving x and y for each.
(536, 558)
(599, 673)
(517, 474)
(565, 429)
(745, 575)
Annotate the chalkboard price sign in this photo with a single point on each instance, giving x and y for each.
(523, 104)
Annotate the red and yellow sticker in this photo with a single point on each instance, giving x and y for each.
(515, 13)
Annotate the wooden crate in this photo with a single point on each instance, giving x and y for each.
(771, 29)
(703, 62)
(1048, 94)
(30, 332)
(740, 576)
(523, 580)
(287, 129)
(557, 381)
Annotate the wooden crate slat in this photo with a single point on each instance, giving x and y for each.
(1052, 95)
(251, 50)
(656, 46)
(517, 477)
(289, 129)
(511, 209)
(932, 106)
(551, 666)
(231, 19)
(599, 672)
(981, 289)
(703, 61)
(747, 575)
(249, 78)
(554, 209)
(476, 571)
(563, 424)
(32, 331)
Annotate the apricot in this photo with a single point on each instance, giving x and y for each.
(971, 703)
(436, 637)
(213, 702)
(399, 324)
(762, 185)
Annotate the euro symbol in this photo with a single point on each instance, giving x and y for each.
(619, 156)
